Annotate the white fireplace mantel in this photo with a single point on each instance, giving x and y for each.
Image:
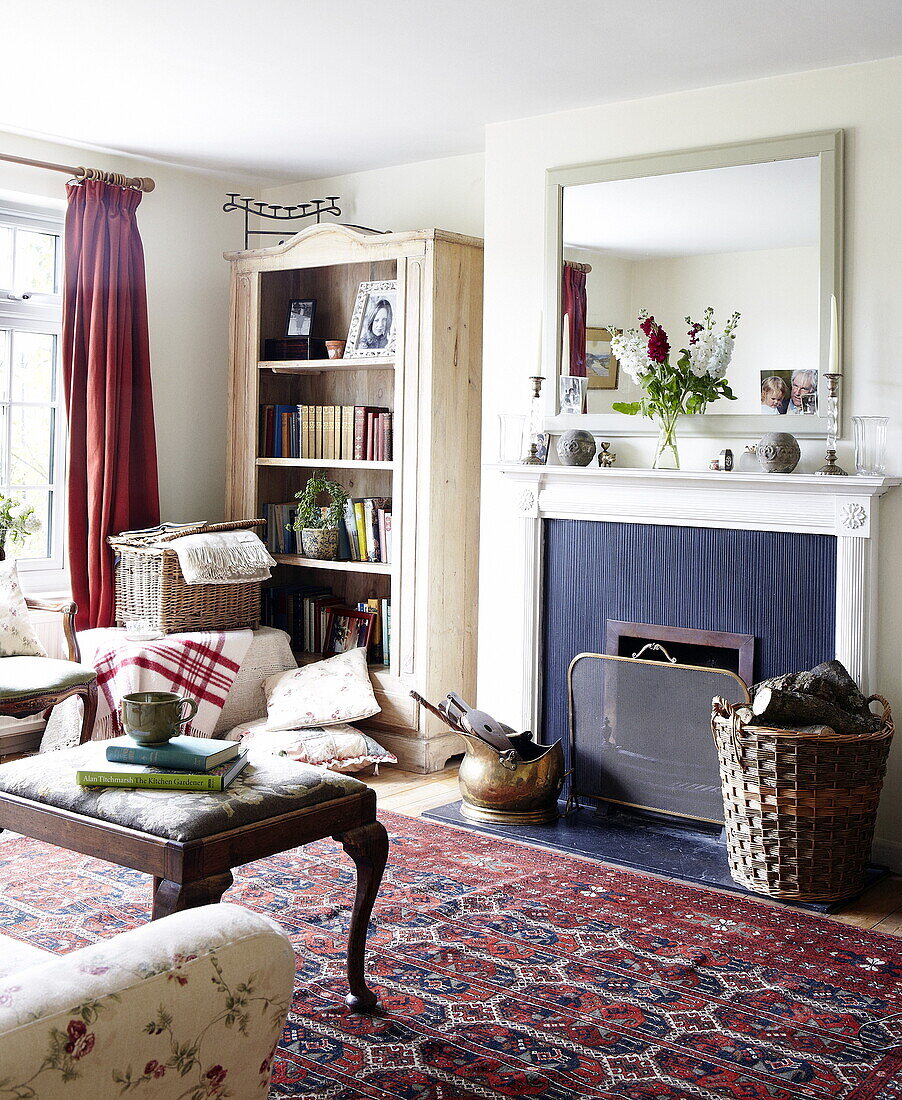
(845, 507)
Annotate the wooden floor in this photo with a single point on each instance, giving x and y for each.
(408, 793)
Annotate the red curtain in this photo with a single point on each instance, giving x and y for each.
(573, 303)
(106, 372)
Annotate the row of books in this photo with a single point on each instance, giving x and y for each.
(306, 613)
(358, 432)
(181, 764)
(365, 535)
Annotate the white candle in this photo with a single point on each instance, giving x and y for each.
(565, 346)
(541, 333)
(834, 337)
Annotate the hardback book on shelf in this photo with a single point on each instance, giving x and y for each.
(342, 432)
(281, 538)
(303, 612)
(108, 774)
(368, 528)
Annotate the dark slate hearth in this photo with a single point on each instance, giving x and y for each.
(642, 845)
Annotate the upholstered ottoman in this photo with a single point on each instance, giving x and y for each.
(190, 841)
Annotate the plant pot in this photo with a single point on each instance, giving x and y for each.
(320, 543)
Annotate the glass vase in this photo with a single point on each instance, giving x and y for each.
(667, 455)
(870, 445)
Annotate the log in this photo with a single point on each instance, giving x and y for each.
(828, 681)
(790, 709)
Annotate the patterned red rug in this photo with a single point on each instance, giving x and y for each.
(510, 972)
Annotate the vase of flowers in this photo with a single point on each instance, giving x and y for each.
(17, 522)
(671, 387)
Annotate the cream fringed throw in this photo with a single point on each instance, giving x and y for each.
(222, 557)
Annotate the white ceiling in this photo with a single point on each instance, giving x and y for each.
(739, 209)
(299, 89)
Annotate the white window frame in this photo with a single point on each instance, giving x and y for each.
(42, 313)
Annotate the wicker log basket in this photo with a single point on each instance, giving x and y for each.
(150, 585)
(799, 806)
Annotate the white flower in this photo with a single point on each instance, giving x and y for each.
(630, 349)
(711, 351)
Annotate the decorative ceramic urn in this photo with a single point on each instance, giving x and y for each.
(576, 448)
(778, 452)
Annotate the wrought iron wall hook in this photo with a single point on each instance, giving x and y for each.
(274, 212)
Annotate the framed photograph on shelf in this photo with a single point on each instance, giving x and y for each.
(374, 321)
(347, 629)
(789, 392)
(300, 317)
(601, 366)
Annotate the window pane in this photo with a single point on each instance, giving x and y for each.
(30, 445)
(34, 356)
(35, 268)
(6, 257)
(5, 338)
(36, 545)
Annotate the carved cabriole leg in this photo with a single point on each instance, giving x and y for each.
(368, 847)
(173, 897)
(89, 712)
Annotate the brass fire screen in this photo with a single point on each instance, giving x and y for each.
(640, 733)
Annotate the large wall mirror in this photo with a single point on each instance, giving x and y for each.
(753, 227)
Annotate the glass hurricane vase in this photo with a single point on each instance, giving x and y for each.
(667, 455)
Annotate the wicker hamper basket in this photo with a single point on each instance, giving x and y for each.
(150, 585)
(799, 807)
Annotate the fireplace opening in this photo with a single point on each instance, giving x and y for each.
(683, 645)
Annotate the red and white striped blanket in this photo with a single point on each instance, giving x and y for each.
(201, 665)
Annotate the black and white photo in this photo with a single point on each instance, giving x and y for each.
(300, 316)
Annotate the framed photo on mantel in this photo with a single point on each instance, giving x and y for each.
(601, 366)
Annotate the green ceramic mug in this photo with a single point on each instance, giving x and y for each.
(152, 717)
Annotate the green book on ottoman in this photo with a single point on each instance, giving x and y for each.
(191, 754)
(134, 775)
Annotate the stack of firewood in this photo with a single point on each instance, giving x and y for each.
(826, 697)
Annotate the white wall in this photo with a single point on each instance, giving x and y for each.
(431, 194)
(185, 232)
(775, 291)
(864, 101)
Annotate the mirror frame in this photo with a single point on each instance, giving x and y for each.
(827, 145)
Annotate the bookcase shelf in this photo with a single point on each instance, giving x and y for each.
(320, 366)
(432, 386)
(377, 567)
(326, 463)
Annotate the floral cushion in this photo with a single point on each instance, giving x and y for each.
(340, 748)
(322, 694)
(17, 636)
(190, 1007)
(269, 786)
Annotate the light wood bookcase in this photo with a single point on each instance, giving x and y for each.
(433, 386)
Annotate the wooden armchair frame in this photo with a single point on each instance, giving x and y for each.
(23, 706)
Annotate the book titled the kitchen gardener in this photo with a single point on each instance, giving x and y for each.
(134, 775)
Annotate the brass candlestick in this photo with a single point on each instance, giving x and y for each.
(831, 469)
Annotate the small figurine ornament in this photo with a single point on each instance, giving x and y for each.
(606, 456)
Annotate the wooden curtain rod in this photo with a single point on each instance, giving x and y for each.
(116, 179)
(579, 267)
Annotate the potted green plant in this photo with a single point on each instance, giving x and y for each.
(316, 523)
(17, 522)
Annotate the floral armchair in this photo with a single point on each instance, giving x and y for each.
(190, 1007)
